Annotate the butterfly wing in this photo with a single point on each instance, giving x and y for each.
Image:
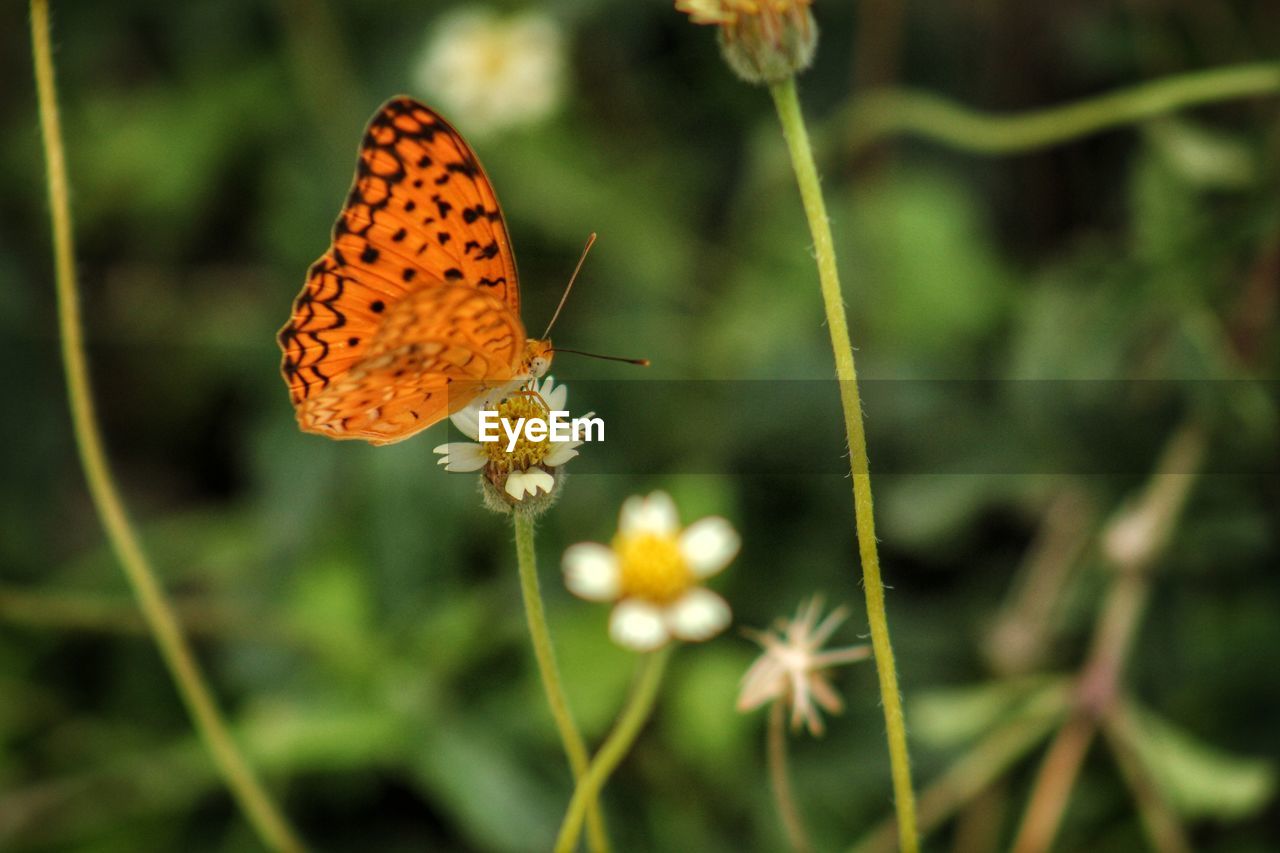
(435, 351)
(421, 217)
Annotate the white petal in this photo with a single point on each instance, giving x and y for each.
(708, 545)
(530, 481)
(462, 456)
(541, 480)
(516, 485)
(467, 419)
(654, 514)
(637, 625)
(765, 681)
(556, 396)
(591, 571)
(560, 454)
(699, 614)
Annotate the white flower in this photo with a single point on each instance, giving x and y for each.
(792, 669)
(489, 72)
(529, 469)
(652, 570)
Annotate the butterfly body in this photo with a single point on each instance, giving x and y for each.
(414, 310)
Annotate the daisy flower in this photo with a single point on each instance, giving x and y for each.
(529, 469)
(794, 670)
(653, 569)
(490, 72)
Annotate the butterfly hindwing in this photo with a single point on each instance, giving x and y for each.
(436, 351)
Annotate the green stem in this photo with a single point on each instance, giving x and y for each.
(788, 105)
(903, 112)
(984, 763)
(258, 806)
(780, 778)
(615, 747)
(574, 746)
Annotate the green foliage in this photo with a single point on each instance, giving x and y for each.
(358, 612)
(1201, 780)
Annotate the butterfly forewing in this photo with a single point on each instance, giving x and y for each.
(417, 292)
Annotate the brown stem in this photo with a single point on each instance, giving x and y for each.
(1159, 820)
(1131, 542)
(980, 826)
(780, 781)
(1016, 643)
(1054, 783)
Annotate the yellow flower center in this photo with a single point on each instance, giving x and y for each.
(652, 567)
(526, 453)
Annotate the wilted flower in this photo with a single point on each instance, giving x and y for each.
(652, 570)
(793, 670)
(492, 72)
(529, 469)
(763, 41)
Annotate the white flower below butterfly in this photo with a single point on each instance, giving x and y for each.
(529, 470)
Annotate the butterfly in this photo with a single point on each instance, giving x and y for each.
(414, 310)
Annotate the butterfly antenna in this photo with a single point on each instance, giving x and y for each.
(591, 241)
(643, 362)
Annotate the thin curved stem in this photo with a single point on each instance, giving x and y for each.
(574, 746)
(904, 112)
(780, 781)
(253, 798)
(616, 746)
(797, 137)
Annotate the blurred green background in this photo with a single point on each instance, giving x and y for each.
(357, 610)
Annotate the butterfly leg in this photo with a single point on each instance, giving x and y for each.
(529, 392)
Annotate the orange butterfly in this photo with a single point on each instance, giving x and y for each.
(414, 310)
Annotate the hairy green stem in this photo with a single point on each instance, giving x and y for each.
(616, 746)
(780, 780)
(797, 137)
(984, 763)
(902, 112)
(253, 798)
(574, 746)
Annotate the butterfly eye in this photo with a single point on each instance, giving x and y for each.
(538, 366)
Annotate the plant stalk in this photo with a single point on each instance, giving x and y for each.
(259, 808)
(574, 746)
(897, 112)
(1133, 540)
(780, 781)
(793, 129)
(616, 746)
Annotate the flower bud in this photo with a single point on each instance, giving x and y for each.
(763, 41)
